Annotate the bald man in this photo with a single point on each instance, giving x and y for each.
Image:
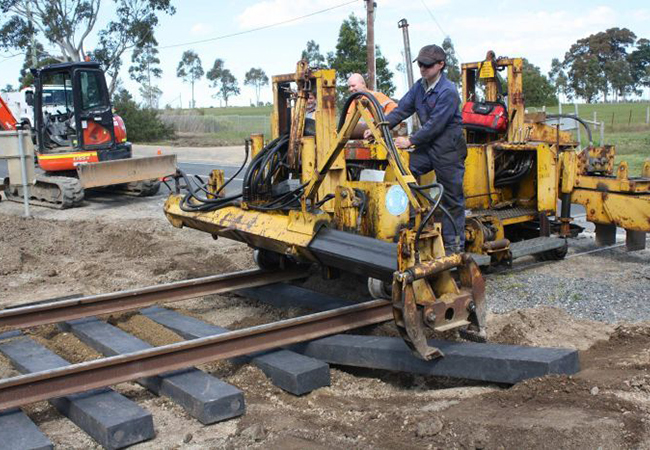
(356, 83)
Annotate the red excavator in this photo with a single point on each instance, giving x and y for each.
(81, 143)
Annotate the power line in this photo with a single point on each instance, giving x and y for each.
(439, 27)
(434, 19)
(260, 28)
(11, 56)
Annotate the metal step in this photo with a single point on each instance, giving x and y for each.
(535, 245)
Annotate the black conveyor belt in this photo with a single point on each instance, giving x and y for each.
(355, 253)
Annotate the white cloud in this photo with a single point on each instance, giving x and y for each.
(538, 35)
(201, 29)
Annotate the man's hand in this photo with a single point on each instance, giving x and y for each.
(367, 134)
(403, 142)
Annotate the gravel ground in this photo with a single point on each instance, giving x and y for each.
(608, 285)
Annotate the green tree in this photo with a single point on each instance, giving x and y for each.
(557, 77)
(67, 24)
(8, 88)
(452, 68)
(538, 90)
(256, 78)
(229, 87)
(598, 63)
(142, 124)
(190, 70)
(619, 74)
(639, 61)
(223, 81)
(144, 68)
(350, 57)
(313, 55)
(42, 59)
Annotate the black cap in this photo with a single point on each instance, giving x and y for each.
(431, 54)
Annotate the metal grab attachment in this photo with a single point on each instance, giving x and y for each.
(417, 310)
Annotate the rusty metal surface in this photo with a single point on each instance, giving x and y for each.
(54, 312)
(120, 171)
(433, 266)
(82, 377)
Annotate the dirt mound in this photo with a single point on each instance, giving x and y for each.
(545, 327)
(42, 258)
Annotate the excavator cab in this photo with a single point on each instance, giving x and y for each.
(73, 113)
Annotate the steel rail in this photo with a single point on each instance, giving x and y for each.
(59, 311)
(24, 389)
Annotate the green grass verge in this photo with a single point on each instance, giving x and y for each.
(613, 114)
(633, 147)
(229, 111)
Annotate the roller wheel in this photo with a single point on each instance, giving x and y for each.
(268, 260)
(557, 254)
(379, 289)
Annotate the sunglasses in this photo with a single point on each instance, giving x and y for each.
(428, 66)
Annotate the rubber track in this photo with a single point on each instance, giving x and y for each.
(145, 188)
(50, 191)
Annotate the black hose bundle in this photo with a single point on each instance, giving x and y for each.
(260, 173)
(509, 174)
(194, 201)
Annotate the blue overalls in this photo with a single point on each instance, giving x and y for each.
(439, 145)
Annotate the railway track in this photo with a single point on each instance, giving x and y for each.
(22, 390)
(80, 391)
(59, 311)
(61, 383)
(108, 371)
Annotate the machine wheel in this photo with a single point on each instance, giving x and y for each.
(379, 289)
(268, 260)
(556, 254)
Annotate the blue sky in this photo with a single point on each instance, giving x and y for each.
(536, 30)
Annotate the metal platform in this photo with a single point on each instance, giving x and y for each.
(504, 214)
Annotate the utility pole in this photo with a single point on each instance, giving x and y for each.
(370, 40)
(408, 63)
(404, 25)
(31, 24)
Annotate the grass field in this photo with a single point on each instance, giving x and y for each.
(616, 115)
(229, 111)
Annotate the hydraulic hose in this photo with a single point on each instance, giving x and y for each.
(577, 119)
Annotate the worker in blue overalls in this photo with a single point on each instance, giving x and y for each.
(439, 144)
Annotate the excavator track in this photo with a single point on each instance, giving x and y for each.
(50, 191)
(144, 188)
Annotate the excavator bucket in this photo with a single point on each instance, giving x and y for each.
(120, 171)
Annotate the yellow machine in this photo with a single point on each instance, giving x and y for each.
(299, 204)
(514, 179)
(313, 195)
